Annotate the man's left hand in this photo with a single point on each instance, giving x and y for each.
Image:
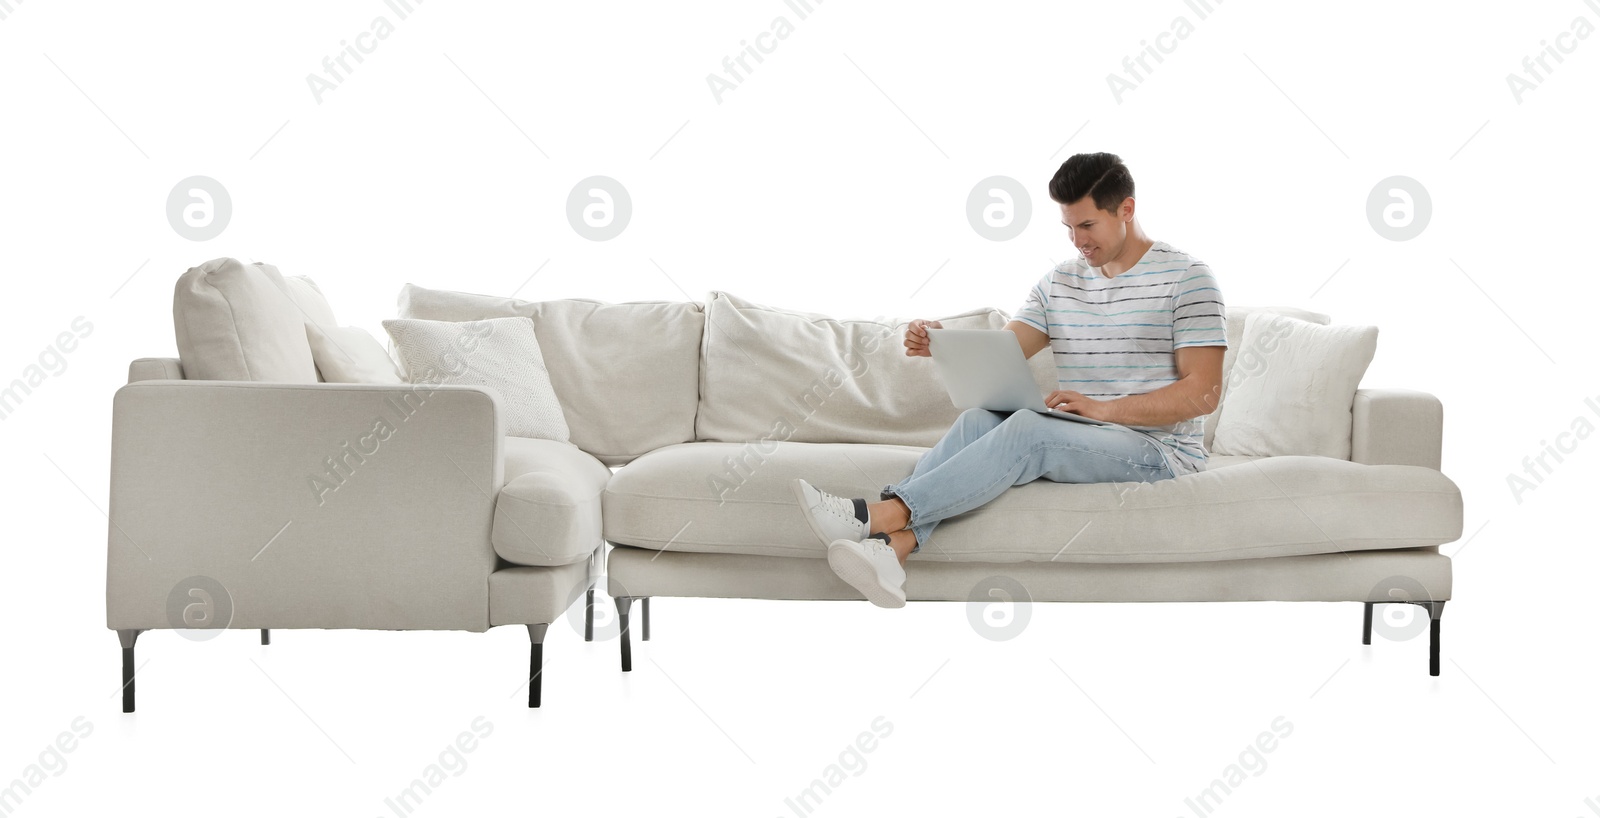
(1078, 403)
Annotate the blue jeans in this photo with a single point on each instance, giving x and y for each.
(985, 453)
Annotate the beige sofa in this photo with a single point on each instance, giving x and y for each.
(687, 421)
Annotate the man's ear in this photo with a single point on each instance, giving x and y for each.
(1125, 210)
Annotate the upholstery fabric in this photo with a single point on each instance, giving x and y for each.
(501, 354)
(1396, 427)
(239, 322)
(149, 369)
(313, 505)
(308, 298)
(548, 513)
(735, 498)
(621, 396)
(1237, 315)
(772, 374)
(524, 595)
(1362, 576)
(1294, 388)
(350, 355)
(314, 308)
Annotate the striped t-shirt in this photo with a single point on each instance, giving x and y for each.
(1114, 337)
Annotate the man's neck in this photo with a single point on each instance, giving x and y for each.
(1132, 250)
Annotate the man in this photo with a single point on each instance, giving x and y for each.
(1136, 330)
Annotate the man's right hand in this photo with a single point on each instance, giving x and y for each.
(917, 337)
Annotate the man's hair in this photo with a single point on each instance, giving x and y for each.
(1101, 175)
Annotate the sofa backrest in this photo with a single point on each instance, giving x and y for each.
(636, 376)
(768, 374)
(246, 322)
(626, 375)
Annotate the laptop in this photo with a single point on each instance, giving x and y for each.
(984, 369)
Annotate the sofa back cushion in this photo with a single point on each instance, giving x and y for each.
(1235, 332)
(1293, 388)
(626, 375)
(769, 374)
(245, 322)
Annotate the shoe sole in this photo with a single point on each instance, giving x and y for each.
(853, 568)
(805, 511)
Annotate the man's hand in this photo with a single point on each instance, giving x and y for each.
(1078, 404)
(917, 337)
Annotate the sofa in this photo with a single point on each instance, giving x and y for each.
(250, 493)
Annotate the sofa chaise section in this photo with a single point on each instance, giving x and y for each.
(249, 493)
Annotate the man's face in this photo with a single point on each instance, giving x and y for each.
(1098, 234)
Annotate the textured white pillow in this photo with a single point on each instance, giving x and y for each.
(1292, 386)
(499, 353)
(350, 355)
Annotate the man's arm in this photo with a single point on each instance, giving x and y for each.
(1194, 394)
(1030, 337)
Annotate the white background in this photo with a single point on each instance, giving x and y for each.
(833, 179)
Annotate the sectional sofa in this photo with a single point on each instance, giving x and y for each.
(687, 421)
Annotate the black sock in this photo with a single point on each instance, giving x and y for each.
(881, 535)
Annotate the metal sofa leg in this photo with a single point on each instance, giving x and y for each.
(536, 662)
(644, 615)
(127, 638)
(597, 564)
(623, 603)
(588, 617)
(1435, 611)
(266, 636)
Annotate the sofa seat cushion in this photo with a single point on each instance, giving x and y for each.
(735, 498)
(548, 510)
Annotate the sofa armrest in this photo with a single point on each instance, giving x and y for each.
(313, 505)
(155, 369)
(1396, 427)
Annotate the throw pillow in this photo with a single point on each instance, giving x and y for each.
(308, 298)
(1292, 387)
(311, 303)
(1235, 335)
(238, 322)
(501, 354)
(350, 355)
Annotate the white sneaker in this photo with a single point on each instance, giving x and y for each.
(831, 517)
(871, 567)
